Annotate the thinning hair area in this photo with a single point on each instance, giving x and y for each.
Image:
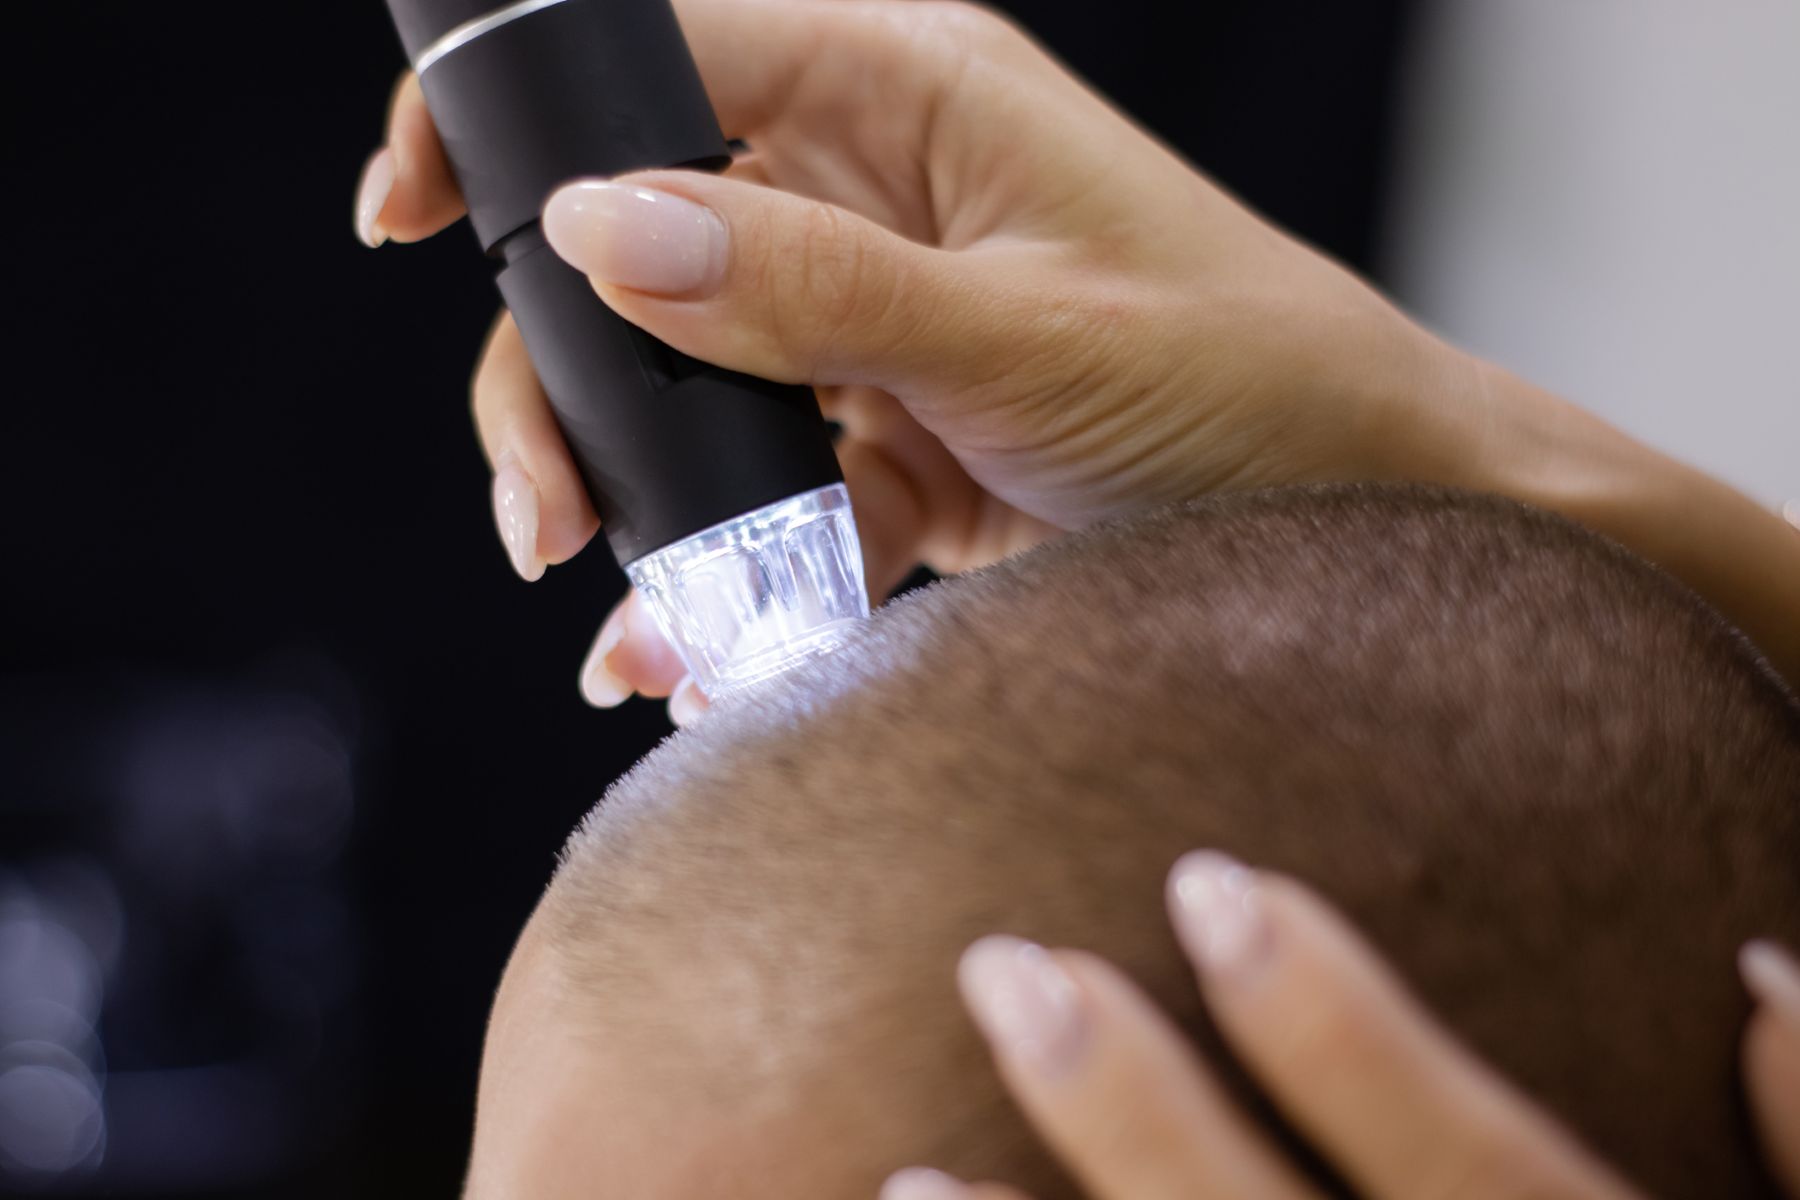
(1552, 786)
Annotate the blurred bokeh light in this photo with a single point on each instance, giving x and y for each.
(177, 950)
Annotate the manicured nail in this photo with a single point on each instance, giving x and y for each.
(371, 197)
(600, 686)
(1791, 510)
(687, 703)
(922, 1183)
(635, 237)
(1027, 1006)
(1772, 976)
(516, 515)
(1213, 900)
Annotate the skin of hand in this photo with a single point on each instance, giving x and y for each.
(1391, 1100)
(1026, 314)
(1772, 1055)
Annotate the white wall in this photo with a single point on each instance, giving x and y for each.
(1604, 195)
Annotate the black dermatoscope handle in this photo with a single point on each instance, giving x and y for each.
(527, 96)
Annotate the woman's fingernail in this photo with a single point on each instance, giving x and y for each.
(1024, 1002)
(1791, 510)
(516, 515)
(635, 237)
(1772, 976)
(687, 703)
(371, 197)
(1213, 899)
(600, 687)
(922, 1183)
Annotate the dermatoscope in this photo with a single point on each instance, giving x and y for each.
(719, 493)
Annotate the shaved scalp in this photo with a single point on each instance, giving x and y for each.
(1554, 787)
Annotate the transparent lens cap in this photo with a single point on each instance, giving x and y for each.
(749, 598)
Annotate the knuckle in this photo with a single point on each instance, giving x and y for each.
(967, 25)
(1133, 1137)
(481, 391)
(831, 263)
(828, 284)
(1496, 1165)
(1323, 1039)
(485, 385)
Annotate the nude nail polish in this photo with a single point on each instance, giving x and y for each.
(1217, 912)
(516, 516)
(635, 237)
(922, 1183)
(1791, 510)
(1024, 1002)
(1772, 976)
(600, 686)
(371, 197)
(687, 703)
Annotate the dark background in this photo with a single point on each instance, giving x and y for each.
(285, 748)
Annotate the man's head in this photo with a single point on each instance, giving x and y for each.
(1551, 785)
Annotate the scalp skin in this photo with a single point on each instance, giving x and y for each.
(1554, 787)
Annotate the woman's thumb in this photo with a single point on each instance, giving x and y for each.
(765, 282)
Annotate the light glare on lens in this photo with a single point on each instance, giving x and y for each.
(749, 598)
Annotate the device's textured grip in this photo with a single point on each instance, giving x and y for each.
(668, 445)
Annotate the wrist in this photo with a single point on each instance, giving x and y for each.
(1442, 416)
(1462, 422)
(1539, 448)
(1485, 429)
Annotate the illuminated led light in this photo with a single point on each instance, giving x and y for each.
(751, 597)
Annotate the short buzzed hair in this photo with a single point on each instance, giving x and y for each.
(1552, 786)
